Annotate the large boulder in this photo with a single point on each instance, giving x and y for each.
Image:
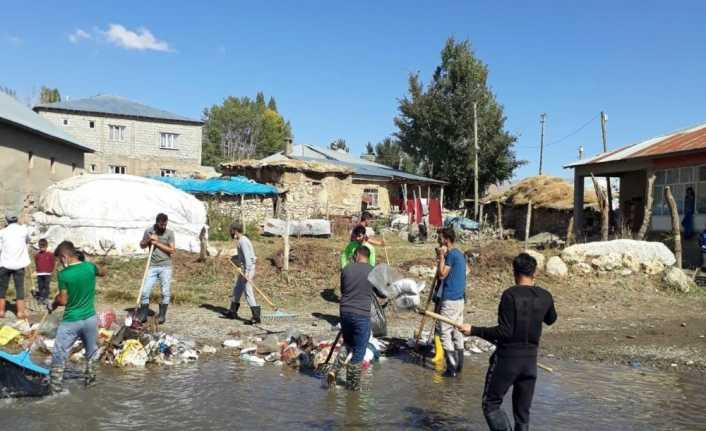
(556, 267)
(539, 257)
(639, 251)
(608, 262)
(675, 278)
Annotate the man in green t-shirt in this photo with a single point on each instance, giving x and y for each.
(357, 239)
(77, 292)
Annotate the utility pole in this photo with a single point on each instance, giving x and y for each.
(604, 118)
(475, 167)
(541, 141)
(580, 152)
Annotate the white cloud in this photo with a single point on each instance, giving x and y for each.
(142, 39)
(77, 35)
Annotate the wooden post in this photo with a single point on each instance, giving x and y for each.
(500, 218)
(404, 198)
(647, 215)
(285, 263)
(603, 205)
(242, 213)
(570, 232)
(578, 204)
(441, 204)
(475, 160)
(528, 224)
(480, 217)
(676, 229)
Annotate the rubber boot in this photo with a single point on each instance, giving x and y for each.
(338, 364)
(162, 313)
(233, 312)
(143, 312)
(450, 363)
(459, 360)
(353, 372)
(90, 377)
(438, 359)
(2, 308)
(21, 309)
(255, 315)
(498, 420)
(56, 379)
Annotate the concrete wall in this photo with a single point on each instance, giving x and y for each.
(22, 181)
(140, 151)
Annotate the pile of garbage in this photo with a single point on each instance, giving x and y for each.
(296, 350)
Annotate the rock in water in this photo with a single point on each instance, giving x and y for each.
(675, 278)
(556, 267)
(539, 257)
(268, 345)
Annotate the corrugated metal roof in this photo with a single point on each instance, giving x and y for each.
(113, 105)
(15, 113)
(359, 166)
(681, 141)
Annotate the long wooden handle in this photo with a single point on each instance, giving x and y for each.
(267, 300)
(457, 325)
(333, 347)
(144, 277)
(426, 306)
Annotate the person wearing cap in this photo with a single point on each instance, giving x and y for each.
(14, 258)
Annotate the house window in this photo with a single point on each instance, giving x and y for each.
(30, 160)
(167, 141)
(167, 172)
(91, 124)
(117, 169)
(370, 196)
(66, 122)
(116, 133)
(93, 168)
(679, 180)
(52, 165)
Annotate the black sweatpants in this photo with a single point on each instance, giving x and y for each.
(43, 286)
(18, 275)
(521, 374)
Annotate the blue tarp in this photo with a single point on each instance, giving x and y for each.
(461, 223)
(222, 185)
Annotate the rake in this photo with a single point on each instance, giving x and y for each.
(278, 313)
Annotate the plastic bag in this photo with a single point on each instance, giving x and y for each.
(378, 322)
(106, 318)
(132, 354)
(7, 334)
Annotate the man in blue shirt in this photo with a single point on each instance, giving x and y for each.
(452, 272)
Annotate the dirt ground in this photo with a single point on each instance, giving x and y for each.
(628, 320)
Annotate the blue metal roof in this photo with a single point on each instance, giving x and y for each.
(17, 114)
(113, 105)
(223, 185)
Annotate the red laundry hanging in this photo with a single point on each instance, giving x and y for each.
(435, 212)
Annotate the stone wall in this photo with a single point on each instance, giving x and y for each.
(255, 209)
(140, 149)
(550, 220)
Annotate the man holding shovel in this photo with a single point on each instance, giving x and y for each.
(162, 240)
(523, 309)
(243, 283)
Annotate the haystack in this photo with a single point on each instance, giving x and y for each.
(288, 165)
(545, 192)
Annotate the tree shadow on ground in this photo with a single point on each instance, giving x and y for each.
(330, 295)
(330, 318)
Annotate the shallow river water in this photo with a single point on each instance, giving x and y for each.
(223, 393)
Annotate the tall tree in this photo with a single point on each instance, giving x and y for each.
(49, 95)
(260, 100)
(9, 91)
(271, 104)
(339, 144)
(369, 149)
(389, 152)
(435, 124)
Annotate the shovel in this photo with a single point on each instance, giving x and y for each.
(129, 318)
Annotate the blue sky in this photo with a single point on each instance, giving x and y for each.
(338, 69)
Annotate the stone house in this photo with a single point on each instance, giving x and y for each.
(128, 137)
(320, 182)
(34, 154)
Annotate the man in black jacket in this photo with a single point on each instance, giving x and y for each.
(523, 309)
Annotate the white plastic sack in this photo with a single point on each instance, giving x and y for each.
(116, 209)
(310, 227)
(407, 286)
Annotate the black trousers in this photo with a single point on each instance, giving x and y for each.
(18, 275)
(43, 286)
(521, 374)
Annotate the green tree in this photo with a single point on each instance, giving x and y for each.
(242, 128)
(49, 95)
(369, 149)
(389, 153)
(271, 104)
(339, 144)
(435, 124)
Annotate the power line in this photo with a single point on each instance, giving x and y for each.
(574, 132)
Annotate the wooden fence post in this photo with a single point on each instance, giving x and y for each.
(676, 229)
(603, 205)
(285, 262)
(527, 225)
(647, 215)
(500, 218)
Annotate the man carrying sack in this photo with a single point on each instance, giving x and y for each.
(452, 273)
(246, 262)
(523, 309)
(162, 239)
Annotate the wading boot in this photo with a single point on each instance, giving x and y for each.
(233, 312)
(451, 363)
(255, 315)
(497, 420)
(56, 378)
(21, 309)
(90, 377)
(353, 372)
(338, 364)
(459, 360)
(2, 308)
(143, 312)
(162, 313)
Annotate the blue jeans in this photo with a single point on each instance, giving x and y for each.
(69, 332)
(164, 275)
(356, 334)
